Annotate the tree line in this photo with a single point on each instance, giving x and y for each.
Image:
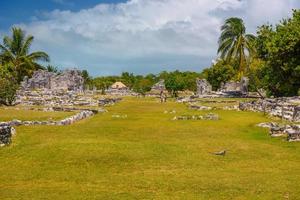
(270, 58)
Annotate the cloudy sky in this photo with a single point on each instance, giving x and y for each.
(108, 37)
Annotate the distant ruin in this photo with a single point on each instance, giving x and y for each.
(203, 87)
(159, 86)
(236, 88)
(68, 80)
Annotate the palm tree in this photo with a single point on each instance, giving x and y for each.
(15, 52)
(235, 44)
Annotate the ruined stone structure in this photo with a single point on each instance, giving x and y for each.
(236, 88)
(203, 87)
(159, 86)
(70, 80)
(287, 108)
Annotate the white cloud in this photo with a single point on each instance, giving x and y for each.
(146, 35)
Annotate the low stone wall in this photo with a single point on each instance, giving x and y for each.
(6, 132)
(67, 121)
(285, 108)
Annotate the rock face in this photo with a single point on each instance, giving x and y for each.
(287, 108)
(203, 87)
(67, 80)
(6, 131)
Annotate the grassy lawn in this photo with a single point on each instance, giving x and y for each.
(21, 114)
(149, 156)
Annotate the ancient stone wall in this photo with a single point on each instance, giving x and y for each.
(238, 88)
(41, 79)
(285, 108)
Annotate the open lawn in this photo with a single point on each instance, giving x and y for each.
(9, 114)
(149, 156)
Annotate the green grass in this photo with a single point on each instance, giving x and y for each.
(149, 156)
(21, 114)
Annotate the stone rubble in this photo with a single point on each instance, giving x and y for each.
(108, 101)
(199, 107)
(53, 98)
(210, 116)
(277, 130)
(287, 108)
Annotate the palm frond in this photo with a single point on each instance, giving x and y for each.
(39, 56)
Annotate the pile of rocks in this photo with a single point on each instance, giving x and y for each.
(277, 130)
(287, 108)
(210, 116)
(6, 132)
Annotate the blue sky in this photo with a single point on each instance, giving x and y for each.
(107, 37)
(18, 11)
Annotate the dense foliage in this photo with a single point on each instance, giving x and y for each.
(16, 62)
(174, 81)
(279, 48)
(219, 73)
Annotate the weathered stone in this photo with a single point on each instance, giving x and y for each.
(280, 107)
(209, 116)
(233, 88)
(199, 107)
(159, 86)
(5, 135)
(203, 87)
(67, 80)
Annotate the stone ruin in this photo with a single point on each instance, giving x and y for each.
(287, 108)
(159, 86)
(55, 89)
(228, 89)
(203, 87)
(233, 88)
(68, 80)
(278, 130)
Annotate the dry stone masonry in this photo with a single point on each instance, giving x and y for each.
(287, 108)
(67, 121)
